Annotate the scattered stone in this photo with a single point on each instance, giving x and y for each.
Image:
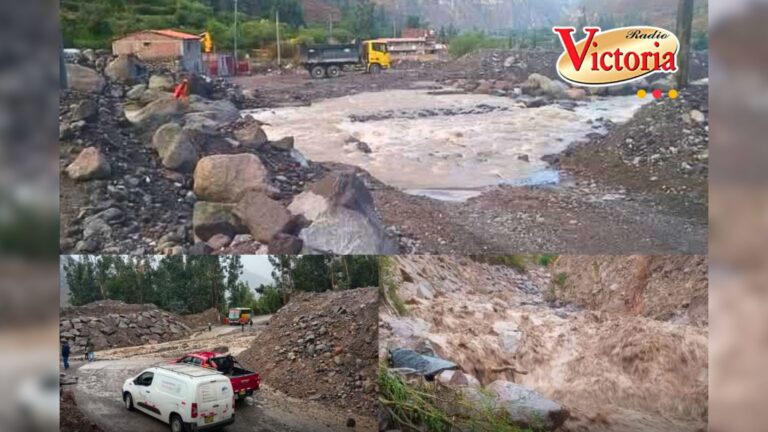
(250, 134)
(285, 143)
(285, 244)
(84, 79)
(90, 164)
(219, 241)
(87, 110)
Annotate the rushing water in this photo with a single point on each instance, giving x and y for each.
(449, 146)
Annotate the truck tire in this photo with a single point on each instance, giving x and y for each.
(375, 68)
(333, 71)
(317, 72)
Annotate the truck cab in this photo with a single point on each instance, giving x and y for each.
(376, 55)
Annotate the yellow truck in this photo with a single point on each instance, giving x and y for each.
(328, 60)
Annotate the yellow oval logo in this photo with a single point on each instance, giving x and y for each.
(615, 56)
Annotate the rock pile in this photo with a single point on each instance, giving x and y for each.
(322, 347)
(159, 175)
(113, 324)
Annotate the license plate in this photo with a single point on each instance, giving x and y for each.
(208, 419)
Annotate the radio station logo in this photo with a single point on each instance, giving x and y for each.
(616, 56)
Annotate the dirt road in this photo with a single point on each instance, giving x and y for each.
(98, 390)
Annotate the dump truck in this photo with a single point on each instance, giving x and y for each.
(328, 60)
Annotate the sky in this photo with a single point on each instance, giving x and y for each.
(258, 264)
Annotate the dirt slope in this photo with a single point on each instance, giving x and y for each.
(660, 287)
(613, 371)
(322, 346)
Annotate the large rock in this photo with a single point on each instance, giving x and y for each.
(125, 69)
(160, 111)
(136, 91)
(225, 178)
(541, 85)
(161, 82)
(222, 111)
(84, 79)
(251, 134)
(90, 164)
(175, 148)
(343, 218)
(527, 407)
(263, 216)
(209, 219)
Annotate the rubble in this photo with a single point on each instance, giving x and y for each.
(113, 324)
(322, 347)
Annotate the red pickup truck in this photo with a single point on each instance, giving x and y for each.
(244, 382)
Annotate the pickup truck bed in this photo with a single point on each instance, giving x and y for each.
(244, 382)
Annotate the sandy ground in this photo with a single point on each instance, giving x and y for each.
(98, 390)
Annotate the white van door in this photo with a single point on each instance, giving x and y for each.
(144, 400)
(214, 400)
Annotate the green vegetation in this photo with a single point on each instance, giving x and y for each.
(192, 284)
(560, 279)
(430, 407)
(546, 259)
(95, 23)
(389, 282)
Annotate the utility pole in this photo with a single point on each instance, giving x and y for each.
(330, 27)
(684, 23)
(235, 35)
(277, 32)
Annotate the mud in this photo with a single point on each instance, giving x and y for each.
(612, 370)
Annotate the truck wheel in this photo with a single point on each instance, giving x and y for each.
(333, 71)
(128, 401)
(177, 425)
(317, 72)
(375, 68)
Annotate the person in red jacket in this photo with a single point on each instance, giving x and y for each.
(182, 90)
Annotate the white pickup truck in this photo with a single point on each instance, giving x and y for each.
(189, 398)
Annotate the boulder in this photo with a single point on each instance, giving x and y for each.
(161, 82)
(86, 110)
(84, 79)
(90, 164)
(219, 241)
(576, 93)
(150, 95)
(161, 110)
(284, 143)
(175, 148)
(527, 407)
(136, 92)
(343, 218)
(263, 216)
(222, 111)
(209, 219)
(251, 134)
(225, 178)
(125, 69)
(285, 244)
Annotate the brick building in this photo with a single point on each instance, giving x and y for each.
(180, 50)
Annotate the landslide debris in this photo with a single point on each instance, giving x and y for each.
(611, 369)
(322, 347)
(113, 324)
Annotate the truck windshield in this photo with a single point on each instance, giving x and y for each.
(381, 47)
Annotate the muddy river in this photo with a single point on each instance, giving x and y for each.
(448, 146)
